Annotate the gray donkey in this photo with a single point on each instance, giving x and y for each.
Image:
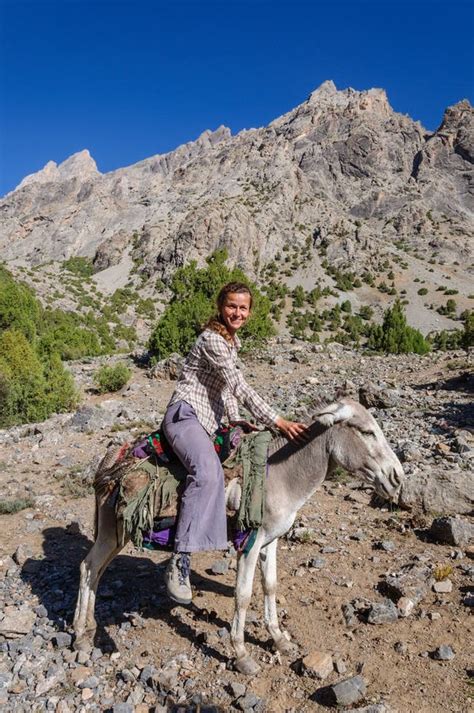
(343, 434)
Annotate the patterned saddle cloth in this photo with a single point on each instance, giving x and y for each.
(144, 482)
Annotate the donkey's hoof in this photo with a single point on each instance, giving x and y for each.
(286, 647)
(247, 666)
(82, 643)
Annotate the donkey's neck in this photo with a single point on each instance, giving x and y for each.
(298, 470)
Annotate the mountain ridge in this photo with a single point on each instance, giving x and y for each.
(342, 174)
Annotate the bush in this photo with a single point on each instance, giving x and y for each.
(394, 336)
(366, 312)
(423, 291)
(111, 378)
(8, 507)
(456, 338)
(194, 293)
(32, 389)
(80, 266)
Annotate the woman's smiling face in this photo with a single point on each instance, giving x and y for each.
(236, 310)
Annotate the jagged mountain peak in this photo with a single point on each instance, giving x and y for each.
(341, 158)
(79, 165)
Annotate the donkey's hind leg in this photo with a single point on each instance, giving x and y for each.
(268, 566)
(106, 547)
(243, 591)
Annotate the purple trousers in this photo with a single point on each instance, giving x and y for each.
(202, 518)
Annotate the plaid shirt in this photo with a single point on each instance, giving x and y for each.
(212, 383)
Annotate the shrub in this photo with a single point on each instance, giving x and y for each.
(194, 293)
(8, 507)
(111, 378)
(80, 266)
(395, 336)
(32, 389)
(19, 309)
(423, 291)
(366, 312)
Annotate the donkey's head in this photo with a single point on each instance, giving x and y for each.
(358, 445)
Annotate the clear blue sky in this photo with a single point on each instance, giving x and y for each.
(129, 79)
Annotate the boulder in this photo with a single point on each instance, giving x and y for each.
(444, 491)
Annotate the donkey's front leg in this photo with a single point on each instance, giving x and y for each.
(268, 566)
(243, 591)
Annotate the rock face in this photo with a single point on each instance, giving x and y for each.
(342, 167)
(439, 491)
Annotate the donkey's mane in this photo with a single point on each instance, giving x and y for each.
(281, 449)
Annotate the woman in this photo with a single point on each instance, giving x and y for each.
(210, 385)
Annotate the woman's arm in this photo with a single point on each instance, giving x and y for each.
(218, 355)
(231, 406)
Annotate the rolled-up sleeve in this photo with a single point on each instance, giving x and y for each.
(231, 406)
(217, 353)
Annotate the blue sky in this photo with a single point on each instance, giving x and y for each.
(131, 79)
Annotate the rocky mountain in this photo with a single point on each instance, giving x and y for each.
(341, 162)
(342, 172)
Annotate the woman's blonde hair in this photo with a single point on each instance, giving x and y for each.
(215, 323)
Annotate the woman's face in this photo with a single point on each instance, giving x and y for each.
(236, 310)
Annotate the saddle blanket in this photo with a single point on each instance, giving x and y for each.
(151, 479)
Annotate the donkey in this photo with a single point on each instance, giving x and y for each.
(344, 434)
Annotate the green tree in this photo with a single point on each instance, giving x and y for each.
(298, 296)
(395, 336)
(19, 308)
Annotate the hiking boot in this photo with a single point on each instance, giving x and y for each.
(177, 578)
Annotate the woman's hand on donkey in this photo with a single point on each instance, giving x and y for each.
(292, 430)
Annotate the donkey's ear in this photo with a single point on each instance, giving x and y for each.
(334, 413)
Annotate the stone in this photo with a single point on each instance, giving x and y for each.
(168, 368)
(382, 613)
(373, 396)
(123, 708)
(220, 566)
(89, 682)
(41, 611)
(340, 666)
(46, 685)
(127, 676)
(62, 640)
(413, 582)
(238, 689)
(16, 622)
(452, 531)
(249, 701)
(87, 694)
(386, 545)
(89, 419)
(443, 653)
(147, 674)
(317, 664)
(317, 563)
(349, 691)
(405, 606)
(22, 554)
(445, 491)
(349, 614)
(80, 674)
(443, 587)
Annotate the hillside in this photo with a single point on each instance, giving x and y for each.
(341, 182)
